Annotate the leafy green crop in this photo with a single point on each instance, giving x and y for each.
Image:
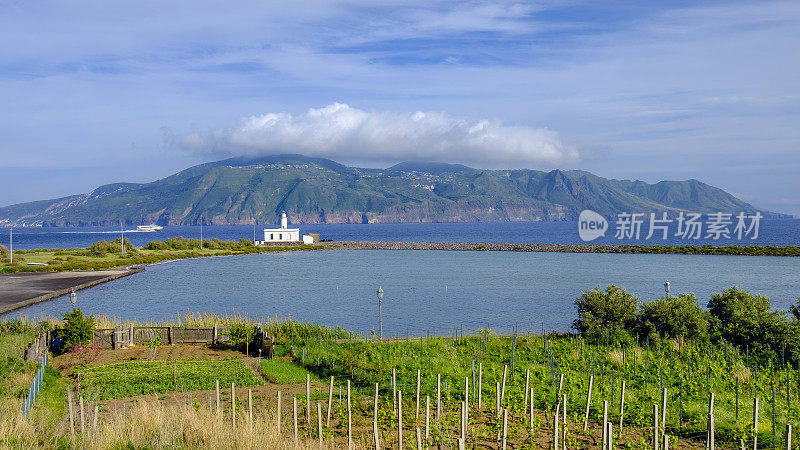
(157, 377)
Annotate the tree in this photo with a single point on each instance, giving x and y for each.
(672, 317)
(77, 329)
(746, 321)
(611, 312)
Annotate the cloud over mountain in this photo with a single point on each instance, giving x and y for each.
(339, 130)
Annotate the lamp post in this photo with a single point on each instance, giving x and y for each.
(73, 297)
(380, 314)
(666, 288)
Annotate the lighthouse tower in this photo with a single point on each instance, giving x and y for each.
(282, 234)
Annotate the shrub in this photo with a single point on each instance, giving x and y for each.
(606, 313)
(156, 245)
(4, 254)
(672, 317)
(746, 321)
(241, 335)
(77, 329)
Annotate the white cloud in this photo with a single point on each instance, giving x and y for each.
(341, 131)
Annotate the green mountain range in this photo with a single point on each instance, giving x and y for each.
(316, 190)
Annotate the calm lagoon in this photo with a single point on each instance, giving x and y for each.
(425, 291)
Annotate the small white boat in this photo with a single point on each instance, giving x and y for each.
(151, 227)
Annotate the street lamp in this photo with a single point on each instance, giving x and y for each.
(73, 297)
(380, 313)
(666, 288)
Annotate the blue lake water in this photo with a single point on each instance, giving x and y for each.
(771, 232)
(425, 291)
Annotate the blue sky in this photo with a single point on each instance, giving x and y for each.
(100, 92)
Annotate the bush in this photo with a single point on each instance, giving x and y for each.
(746, 321)
(4, 253)
(672, 317)
(610, 313)
(102, 248)
(241, 335)
(77, 329)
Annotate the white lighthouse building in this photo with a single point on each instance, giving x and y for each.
(282, 234)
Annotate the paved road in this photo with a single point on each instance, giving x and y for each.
(18, 290)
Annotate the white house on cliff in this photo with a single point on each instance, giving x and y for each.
(284, 234)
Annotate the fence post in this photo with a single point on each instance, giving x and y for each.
(169, 335)
(71, 414)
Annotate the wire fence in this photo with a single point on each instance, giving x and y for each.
(36, 386)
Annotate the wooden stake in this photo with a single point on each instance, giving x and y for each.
(555, 427)
(308, 399)
(503, 390)
(610, 435)
(233, 404)
(394, 390)
(250, 406)
(505, 427)
(588, 402)
(399, 420)
(294, 417)
(788, 436)
(527, 385)
(217, 388)
(755, 423)
(319, 423)
(438, 397)
(664, 409)
(564, 419)
(375, 420)
(278, 414)
(709, 421)
(463, 421)
(711, 439)
(83, 421)
(375, 434)
(497, 400)
(427, 417)
(71, 414)
(349, 418)
(466, 392)
(666, 442)
(94, 419)
(416, 411)
(531, 411)
(621, 407)
(480, 385)
(605, 424)
(419, 439)
(330, 402)
(655, 427)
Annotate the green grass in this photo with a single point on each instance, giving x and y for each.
(286, 372)
(158, 377)
(58, 260)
